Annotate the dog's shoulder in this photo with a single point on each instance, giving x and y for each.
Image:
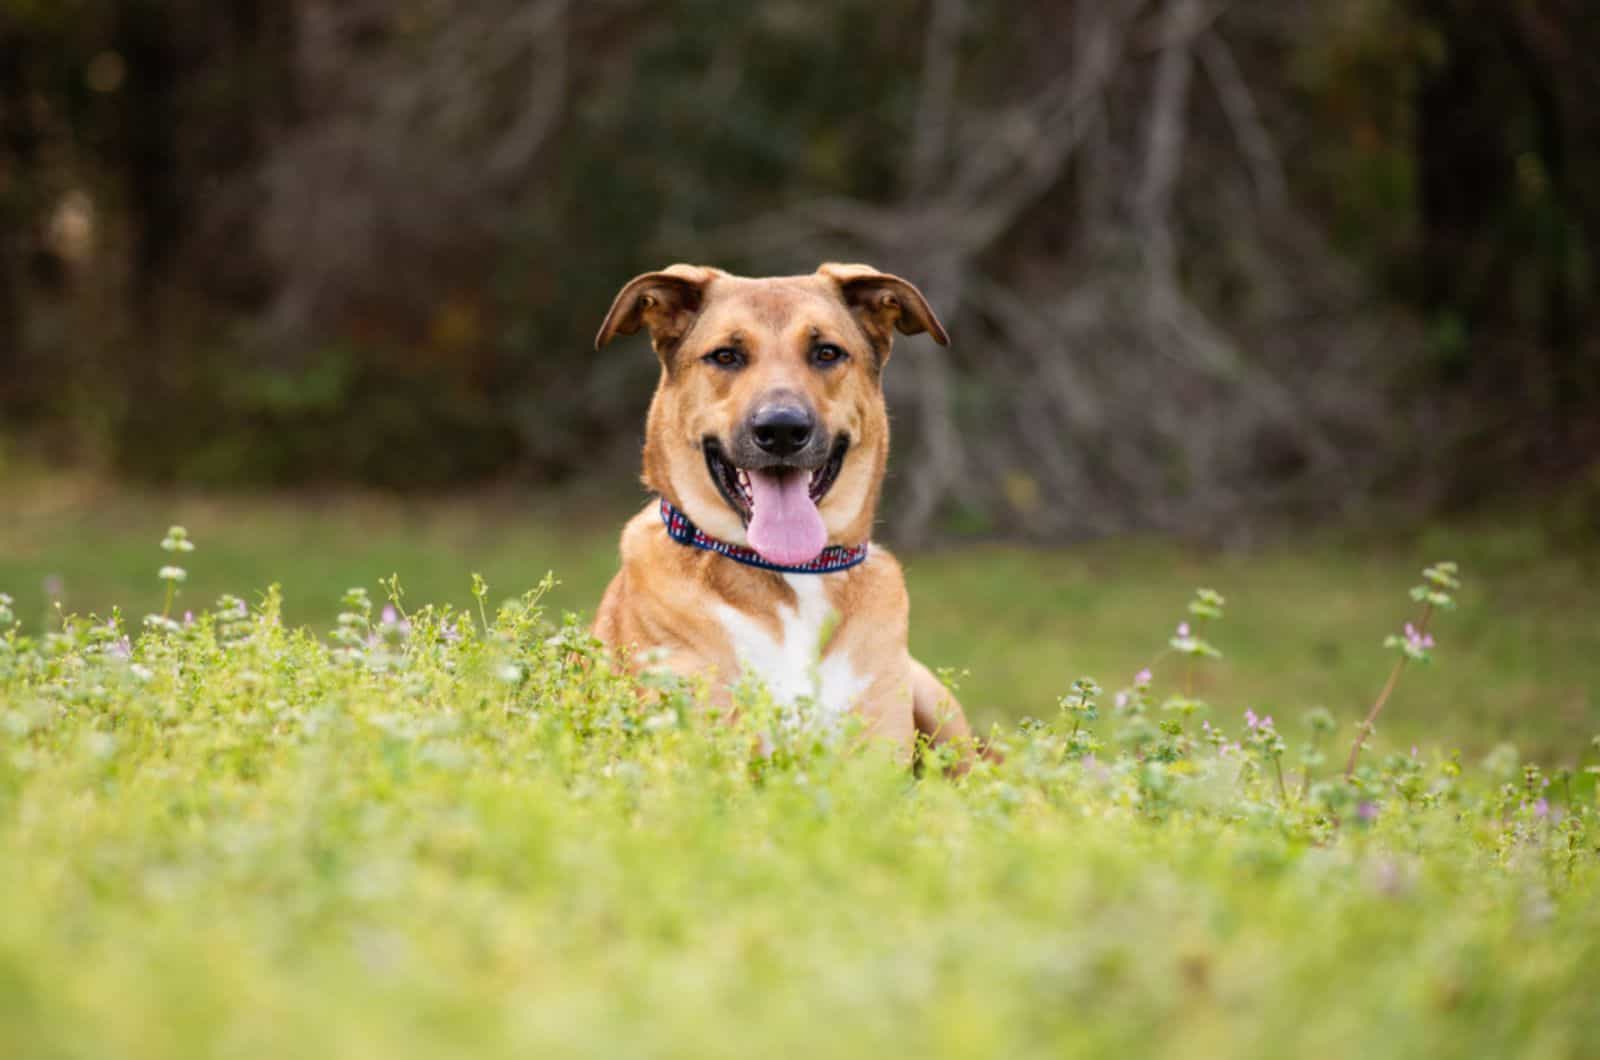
(877, 587)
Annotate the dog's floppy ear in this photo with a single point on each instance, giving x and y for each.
(883, 304)
(665, 302)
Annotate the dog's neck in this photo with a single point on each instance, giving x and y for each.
(831, 560)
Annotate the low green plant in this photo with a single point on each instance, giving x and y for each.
(436, 831)
(1413, 644)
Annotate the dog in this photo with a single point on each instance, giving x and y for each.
(765, 447)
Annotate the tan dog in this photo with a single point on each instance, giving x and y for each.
(766, 442)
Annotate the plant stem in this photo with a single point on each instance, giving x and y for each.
(1383, 697)
(1188, 666)
(166, 608)
(1305, 781)
(1283, 791)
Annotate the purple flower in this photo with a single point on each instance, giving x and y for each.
(1122, 700)
(1142, 678)
(393, 625)
(1250, 719)
(1541, 808)
(1416, 640)
(450, 632)
(1183, 629)
(121, 648)
(188, 618)
(1367, 811)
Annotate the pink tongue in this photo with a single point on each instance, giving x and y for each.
(785, 526)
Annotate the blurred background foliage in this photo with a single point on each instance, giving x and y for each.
(1204, 263)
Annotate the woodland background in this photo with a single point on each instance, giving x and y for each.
(1207, 264)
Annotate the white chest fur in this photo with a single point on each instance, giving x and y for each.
(793, 665)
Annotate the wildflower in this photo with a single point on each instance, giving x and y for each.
(1417, 640)
(188, 618)
(391, 626)
(177, 540)
(1367, 811)
(1183, 629)
(1142, 678)
(1541, 808)
(1121, 700)
(1250, 719)
(172, 574)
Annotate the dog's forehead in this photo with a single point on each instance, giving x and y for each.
(773, 303)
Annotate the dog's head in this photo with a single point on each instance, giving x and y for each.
(768, 427)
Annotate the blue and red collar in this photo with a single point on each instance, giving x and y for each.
(831, 559)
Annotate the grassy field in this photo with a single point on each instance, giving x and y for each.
(432, 836)
(1519, 661)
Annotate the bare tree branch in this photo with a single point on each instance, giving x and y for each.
(1255, 144)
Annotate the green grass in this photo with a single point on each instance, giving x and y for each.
(1519, 661)
(235, 840)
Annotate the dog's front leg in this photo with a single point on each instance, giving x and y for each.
(939, 718)
(937, 714)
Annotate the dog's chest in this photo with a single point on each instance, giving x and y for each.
(794, 663)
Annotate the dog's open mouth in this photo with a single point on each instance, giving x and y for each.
(778, 503)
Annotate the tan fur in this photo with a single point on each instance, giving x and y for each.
(663, 604)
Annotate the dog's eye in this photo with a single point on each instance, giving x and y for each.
(828, 353)
(725, 357)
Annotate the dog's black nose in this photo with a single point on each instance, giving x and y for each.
(782, 430)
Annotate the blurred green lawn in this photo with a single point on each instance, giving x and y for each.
(1520, 660)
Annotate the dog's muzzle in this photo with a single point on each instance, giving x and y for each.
(781, 431)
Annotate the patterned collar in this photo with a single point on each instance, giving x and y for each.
(831, 559)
